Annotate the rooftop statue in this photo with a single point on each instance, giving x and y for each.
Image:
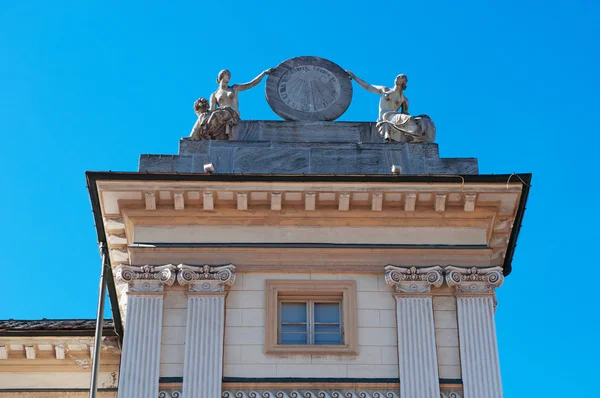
(394, 122)
(216, 119)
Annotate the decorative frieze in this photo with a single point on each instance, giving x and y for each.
(474, 280)
(206, 278)
(170, 394)
(451, 394)
(413, 279)
(309, 394)
(146, 278)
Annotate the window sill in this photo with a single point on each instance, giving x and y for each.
(311, 350)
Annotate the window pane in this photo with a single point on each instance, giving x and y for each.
(327, 312)
(293, 334)
(328, 334)
(293, 312)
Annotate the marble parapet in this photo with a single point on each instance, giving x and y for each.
(277, 147)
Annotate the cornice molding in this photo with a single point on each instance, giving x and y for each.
(146, 278)
(413, 279)
(206, 278)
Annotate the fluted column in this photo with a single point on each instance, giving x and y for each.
(417, 356)
(140, 361)
(203, 361)
(477, 329)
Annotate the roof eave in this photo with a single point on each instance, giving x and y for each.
(95, 176)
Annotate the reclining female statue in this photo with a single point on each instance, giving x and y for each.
(394, 123)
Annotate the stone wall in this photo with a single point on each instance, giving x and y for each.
(245, 332)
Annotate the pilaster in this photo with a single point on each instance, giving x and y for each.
(477, 329)
(417, 357)
(203, 360)
(140, 360)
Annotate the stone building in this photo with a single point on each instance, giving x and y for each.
(312, 259)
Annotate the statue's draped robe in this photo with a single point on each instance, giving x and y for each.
(215, 125)
(400, 127)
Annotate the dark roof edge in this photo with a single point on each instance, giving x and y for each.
(107, 332)
(523, 178)
(428, 178)
(514, 234)
(101, 236)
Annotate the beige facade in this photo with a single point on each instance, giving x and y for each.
(411, 264)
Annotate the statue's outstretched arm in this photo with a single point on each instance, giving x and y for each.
(369, 87)
(253, 83)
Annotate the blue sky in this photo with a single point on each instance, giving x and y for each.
(89, 85)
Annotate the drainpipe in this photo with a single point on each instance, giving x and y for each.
(99, 323)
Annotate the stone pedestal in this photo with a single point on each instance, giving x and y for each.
(140, 361)
(477, 329)
(417, 357)
(265, 147)
(203, 362)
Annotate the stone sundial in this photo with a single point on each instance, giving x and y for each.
(309, 89)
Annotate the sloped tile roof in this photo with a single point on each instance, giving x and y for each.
(52, 325)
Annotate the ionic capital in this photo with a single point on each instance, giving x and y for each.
(474, 280)
(413, 279)
(206, 278)
(146, 278)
